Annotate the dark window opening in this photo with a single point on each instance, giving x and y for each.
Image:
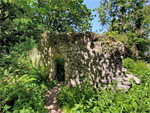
(60, 70)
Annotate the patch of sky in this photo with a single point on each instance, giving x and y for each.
(92, 4)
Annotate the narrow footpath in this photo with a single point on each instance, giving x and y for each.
(51, 98)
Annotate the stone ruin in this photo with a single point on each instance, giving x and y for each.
(85, 54)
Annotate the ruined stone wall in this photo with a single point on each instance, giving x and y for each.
(99, 57)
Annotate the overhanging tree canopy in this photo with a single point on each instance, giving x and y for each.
(22, 19)
(127, 17)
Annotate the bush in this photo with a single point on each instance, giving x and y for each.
(138, 67)
(22, 85)
(69, 96)
(18, 93)
(22, 88)
(137, 99)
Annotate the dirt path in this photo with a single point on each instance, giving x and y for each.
(51, 96)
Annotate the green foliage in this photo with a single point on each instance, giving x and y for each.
(22, 22)
(21, 92)
(137, 67)
(137, 99)
(130, 18)
(16, 26)
(124, 16)
(62, 16)
(131, 44)
(56, 15)
(22, 85)
(68, 97)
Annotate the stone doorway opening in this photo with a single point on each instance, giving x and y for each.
(60, 69)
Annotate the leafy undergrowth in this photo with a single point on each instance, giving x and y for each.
(22, 86)
(81, 99)
(68, 97)
(139, 68)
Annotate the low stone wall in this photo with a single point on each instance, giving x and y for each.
(85, 54)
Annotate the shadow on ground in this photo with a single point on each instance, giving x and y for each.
(51, 98)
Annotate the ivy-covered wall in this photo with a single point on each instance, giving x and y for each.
(85, 54)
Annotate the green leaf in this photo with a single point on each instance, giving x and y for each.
(6, 107)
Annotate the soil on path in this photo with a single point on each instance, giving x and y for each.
(51, 98)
